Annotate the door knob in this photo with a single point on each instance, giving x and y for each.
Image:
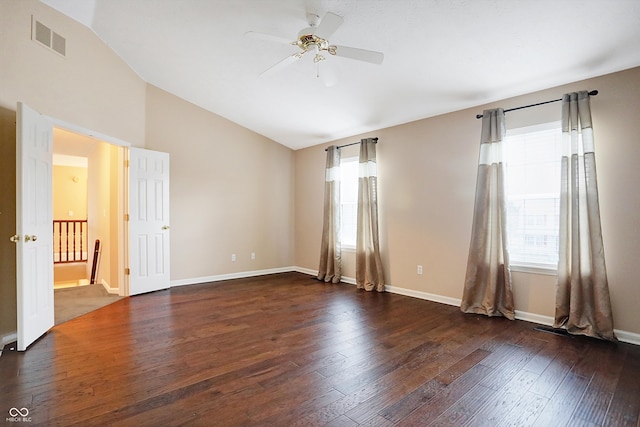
(15, 238)
(166, 227)
(32, 238)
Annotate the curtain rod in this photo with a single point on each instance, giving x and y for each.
(375, 141)
(592, 93)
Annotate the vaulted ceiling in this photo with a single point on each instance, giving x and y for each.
(439, 55)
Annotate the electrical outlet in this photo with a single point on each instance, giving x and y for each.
(253, 255)
(419, 269)
(233, 257)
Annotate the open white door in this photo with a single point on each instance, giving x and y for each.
(148, 221)
(34, 222)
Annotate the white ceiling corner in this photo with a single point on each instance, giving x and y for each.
(440, 56)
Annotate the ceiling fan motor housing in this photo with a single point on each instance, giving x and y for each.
(307, 40)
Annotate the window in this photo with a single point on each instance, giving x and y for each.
(348, 201)
(532, 158)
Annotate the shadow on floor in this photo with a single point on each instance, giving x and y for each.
(70, 303)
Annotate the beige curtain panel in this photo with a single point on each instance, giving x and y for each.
(487, 287)
(369, 274)
(582, 299)
(330, 269)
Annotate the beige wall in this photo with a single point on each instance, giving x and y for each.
(427, 173)
(231, 191)
(91, 87)
(69, 192)
(103, 211)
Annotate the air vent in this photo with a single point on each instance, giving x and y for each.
(47, 37)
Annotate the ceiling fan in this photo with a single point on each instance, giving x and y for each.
(314, 40)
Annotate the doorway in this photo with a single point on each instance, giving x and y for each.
(87, 206)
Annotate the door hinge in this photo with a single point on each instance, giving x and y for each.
(126, 217)
(127, 271)
(126, 163)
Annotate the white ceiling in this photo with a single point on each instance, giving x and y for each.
(440, 55)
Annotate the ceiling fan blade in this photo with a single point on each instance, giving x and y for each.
(282, 64)
(358, 54)
(329, 24)
(268, 37)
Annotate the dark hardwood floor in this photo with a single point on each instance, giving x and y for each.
(287, 350)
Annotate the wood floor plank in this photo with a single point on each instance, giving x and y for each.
(605, 371)
(624, 409)
(290, 414)
(463, 410)
(447, 397)
(555, 373)
(559, 410)
(286, 350)
(543, 358)
(526, 411)
(427, 392)
(403, 381)
(502, 401)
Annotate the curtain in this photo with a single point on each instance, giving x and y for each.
(369, 275)
(330, 269)
(582, 296)
(487, 287)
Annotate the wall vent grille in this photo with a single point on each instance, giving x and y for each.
(48, 38)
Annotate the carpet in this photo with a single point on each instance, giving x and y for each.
(70, 303)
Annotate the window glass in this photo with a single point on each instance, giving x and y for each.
(348, 201)
(532, 180)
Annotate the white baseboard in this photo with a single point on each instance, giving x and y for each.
(624, 336)
(229, 276)
(423, 295)
(108, 288)
(308, 271)
(7, 338)
(349, 280)
(630, 337)
(534, 318)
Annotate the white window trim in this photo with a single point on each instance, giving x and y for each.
(534, 128)
(526, 267)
